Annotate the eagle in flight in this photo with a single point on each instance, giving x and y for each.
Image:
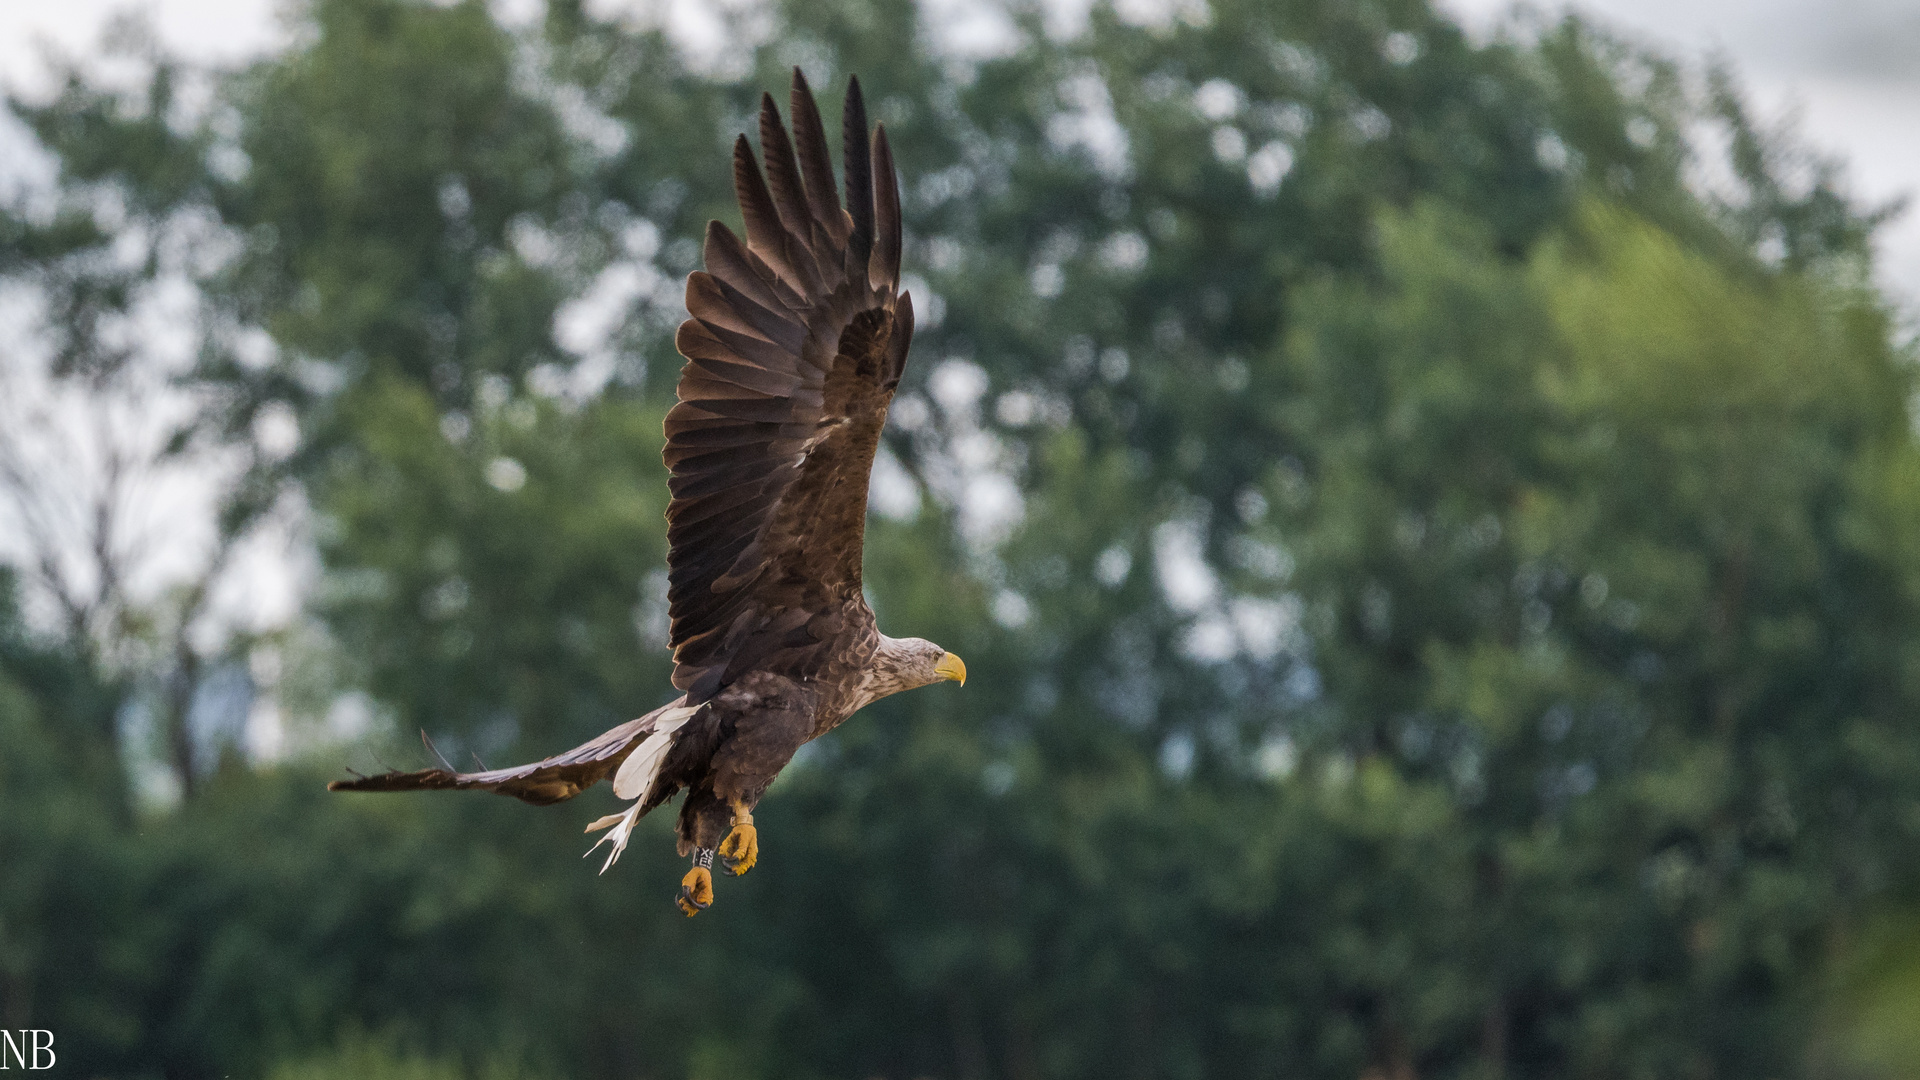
(794, 349)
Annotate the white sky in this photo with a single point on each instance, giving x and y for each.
(1849, 70)
(203, 29)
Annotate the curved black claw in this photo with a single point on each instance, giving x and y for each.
(696, 891)
(741, 849)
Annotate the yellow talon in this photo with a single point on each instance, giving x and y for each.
(696, 891)
(741, 848)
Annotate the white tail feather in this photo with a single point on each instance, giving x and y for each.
(643, 764)
(635, 777)
(622, 830)
(606, 821)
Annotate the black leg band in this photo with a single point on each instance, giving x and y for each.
(703, 858)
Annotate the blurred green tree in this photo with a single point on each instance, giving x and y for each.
(1584, 543)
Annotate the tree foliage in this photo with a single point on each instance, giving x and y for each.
(1437, 579)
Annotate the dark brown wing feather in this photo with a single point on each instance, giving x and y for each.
(556, 779)
(794, 348)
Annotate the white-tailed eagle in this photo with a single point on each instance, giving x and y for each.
(794, 349)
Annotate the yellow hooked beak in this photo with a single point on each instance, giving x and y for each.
(951, 667)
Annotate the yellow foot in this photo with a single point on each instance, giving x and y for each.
(696, 891)
(741, 849)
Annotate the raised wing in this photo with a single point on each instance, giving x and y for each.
(556, 779)
(795, 347)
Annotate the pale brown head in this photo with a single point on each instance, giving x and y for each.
(906, 663)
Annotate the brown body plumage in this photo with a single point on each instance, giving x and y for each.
(794, 349)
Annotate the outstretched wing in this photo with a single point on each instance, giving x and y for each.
(557, 778)
(795, 347)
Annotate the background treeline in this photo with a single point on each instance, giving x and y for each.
(1434, 527)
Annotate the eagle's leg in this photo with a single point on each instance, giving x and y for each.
(741, 848)
(696, 889)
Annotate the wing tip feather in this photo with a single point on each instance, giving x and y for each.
(884, 267)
